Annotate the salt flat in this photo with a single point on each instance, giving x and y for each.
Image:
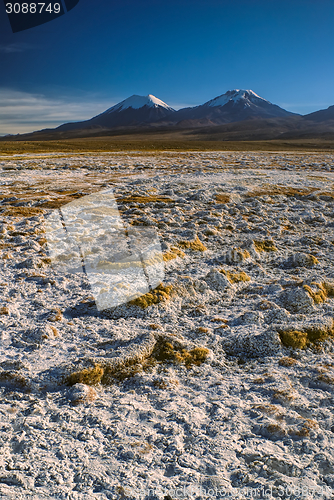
(220, 380)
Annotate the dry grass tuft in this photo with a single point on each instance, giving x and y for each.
(319, 332)
(304, 431)
(235, 277)
(174, 352)
(145, 199)
(276, 429)
(196, 245)
(165, 383)
(272, 190)
(259, 380)
(55, 315)
(223, 198)
(327, 379)
(287, 362)
(311, 334)
(88, 376)
(283, 395)
(9, 378)
(265, 246)
(329, 288)
(159, 294)
(173, 254)
(154, 326)
(4, 310)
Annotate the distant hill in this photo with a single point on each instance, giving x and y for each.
(322, 115)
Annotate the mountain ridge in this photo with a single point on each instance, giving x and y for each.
(238, 113)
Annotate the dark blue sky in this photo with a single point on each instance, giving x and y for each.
(183, 51)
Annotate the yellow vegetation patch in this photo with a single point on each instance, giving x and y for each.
(145, 199)
(294, 338)
(193, 245)
(300, 339)
(235, 277)
(265, 246)
(124, 371)
(88, 376)
(159, 294)
(22, 211)
(173, 254)
(165, 350)
(319, 296)
(324, 291)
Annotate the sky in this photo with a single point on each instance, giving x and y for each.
(184, 52)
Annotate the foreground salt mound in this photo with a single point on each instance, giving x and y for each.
(217, 281)
(301, 259)
(250, 343)
(297, 300)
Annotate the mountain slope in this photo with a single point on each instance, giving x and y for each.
(233, 106)
(322, 115)
(131, 112)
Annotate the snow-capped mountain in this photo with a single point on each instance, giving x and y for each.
(233, 106)
(247, 97)
(132, 112)
(139, 101)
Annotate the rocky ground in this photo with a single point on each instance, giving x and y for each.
(217, 384)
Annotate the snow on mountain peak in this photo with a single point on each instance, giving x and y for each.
(139, 101)
(234, 96)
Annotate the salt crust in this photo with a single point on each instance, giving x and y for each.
(240, 419)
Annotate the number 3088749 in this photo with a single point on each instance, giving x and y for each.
(32, 8)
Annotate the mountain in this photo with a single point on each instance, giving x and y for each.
(322, 115)
(233, 106)
(132, 112)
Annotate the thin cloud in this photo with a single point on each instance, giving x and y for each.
(11, 48)
(23, 112)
